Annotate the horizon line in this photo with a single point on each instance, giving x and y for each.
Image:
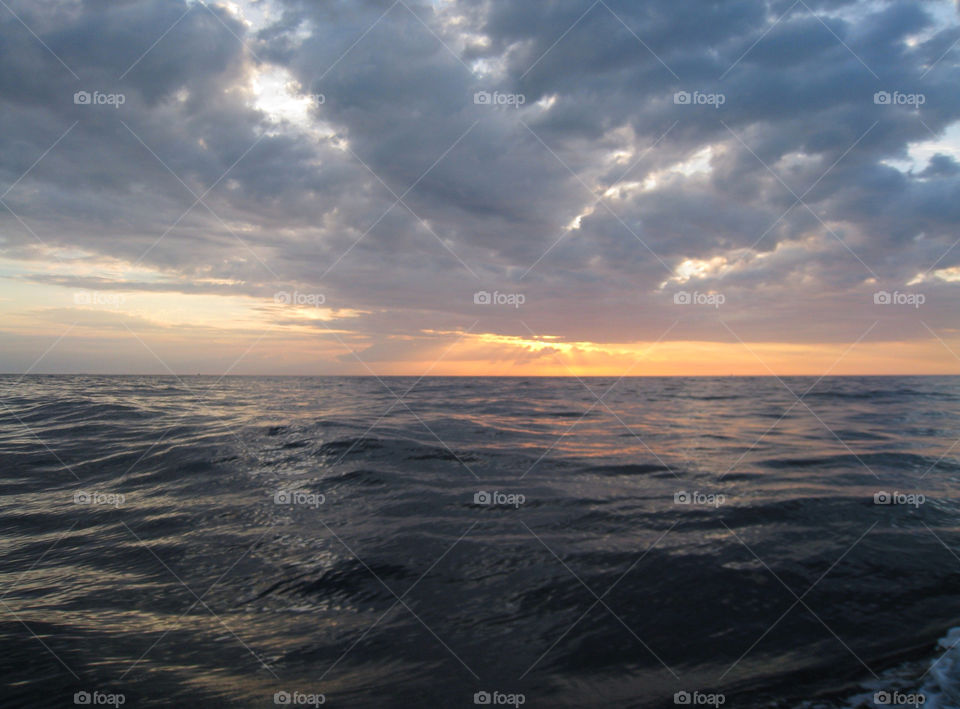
(23, 375)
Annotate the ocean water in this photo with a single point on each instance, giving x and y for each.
(403, 543)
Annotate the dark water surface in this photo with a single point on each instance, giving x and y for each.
(386, 584)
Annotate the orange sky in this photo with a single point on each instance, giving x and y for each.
(48, 328)
(205, 348)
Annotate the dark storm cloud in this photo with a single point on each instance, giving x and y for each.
(489, 191)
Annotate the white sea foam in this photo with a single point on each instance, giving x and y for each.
(930, 684)
(941, 685)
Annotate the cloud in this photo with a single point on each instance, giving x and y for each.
(337, 147)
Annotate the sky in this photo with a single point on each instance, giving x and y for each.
(480, 187)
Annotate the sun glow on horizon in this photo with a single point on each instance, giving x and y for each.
(263, 336)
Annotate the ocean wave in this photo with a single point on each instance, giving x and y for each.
(707, 587)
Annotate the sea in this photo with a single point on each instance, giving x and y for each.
(453, 542)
